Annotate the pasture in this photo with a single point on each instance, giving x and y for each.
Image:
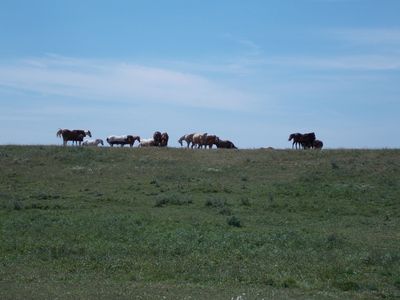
(163, 223)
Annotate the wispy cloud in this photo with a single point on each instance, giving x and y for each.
(249, 47)
(108, 80)
(368, 36)
(334, 63)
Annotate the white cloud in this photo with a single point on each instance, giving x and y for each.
(108, 80)
(368, 36)
(350, 62)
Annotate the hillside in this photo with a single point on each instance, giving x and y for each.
(174, 223)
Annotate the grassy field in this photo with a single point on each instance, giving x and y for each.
(183, 224)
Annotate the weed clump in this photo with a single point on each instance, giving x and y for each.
(17, 205)
(173, 199)
(220, 204)
(234, 221)
(216, 202)
(334, 165)
(289, 283)
(347, 285)
(245, 202)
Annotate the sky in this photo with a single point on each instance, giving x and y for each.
(250, 71)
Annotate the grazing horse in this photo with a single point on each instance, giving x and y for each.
(317, 144)
(157, 138)
(93, 143)
(188, 138)
(307, 140)
(296, 137)
(164, 139)
(211, 140)
(199, 139)
(122, 140)
(226, 144)
(73, 135)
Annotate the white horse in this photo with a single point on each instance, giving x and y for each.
(93, 143)
(188, 138)
(147, 143)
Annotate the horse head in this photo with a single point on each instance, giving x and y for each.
(180, 141)
(100, 141)
(87, 132)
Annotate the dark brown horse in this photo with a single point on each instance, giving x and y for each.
(296, 137)
(317, 144)
(307, 140)
(157, 138)
(164, 139)
(73, 135)
(211, 140)
(226, 144)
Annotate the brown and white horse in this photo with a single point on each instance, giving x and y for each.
(122, 140)
(147, 143)
(199, 139)
(73, 135)
(188, 138)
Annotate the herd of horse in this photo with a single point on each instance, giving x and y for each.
(305, 141)
(198, 140)
(193, 140)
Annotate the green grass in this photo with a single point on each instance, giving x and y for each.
(176, 223)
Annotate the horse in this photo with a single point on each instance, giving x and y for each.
(73, 135)
(122, 140)
(157, 138)
(296, 137)
(147, 143)
(307, 140)
(199, 139)
(225, 144)
(317, 144)
(211, 140)
(188, 138)
(164, 139)
(93, 143)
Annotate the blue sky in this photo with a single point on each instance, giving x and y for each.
(249, 71)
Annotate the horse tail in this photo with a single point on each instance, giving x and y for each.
(59, 132)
